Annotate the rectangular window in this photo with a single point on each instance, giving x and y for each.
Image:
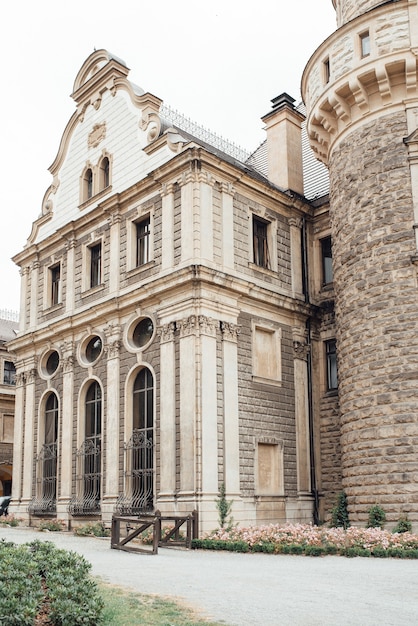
(331, 355)
(9, 374)
(143, 236)
(95, 265)
(260, 243)
(365, 44)
(326, 250)
(55, 276)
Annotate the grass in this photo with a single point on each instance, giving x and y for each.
(134, 609)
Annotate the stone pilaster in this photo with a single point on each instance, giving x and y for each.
(114, 252)
(29, 433)
(230, 334)
(227, 203)
(296, 253)
(113, 343)
(167, 411)
(188, 390)
(300, 354)
(18, 436)
(167, 225)
(34, 286)
(67, 426)
(70, 275)
(209, 422)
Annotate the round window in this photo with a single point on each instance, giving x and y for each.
(52, 363)
(142, 332)
(93, 349)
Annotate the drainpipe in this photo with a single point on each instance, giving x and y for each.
(305, 276)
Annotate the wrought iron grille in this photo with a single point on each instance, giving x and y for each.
(200, 132)
(45, 500)
(139, 474)
(88, 478)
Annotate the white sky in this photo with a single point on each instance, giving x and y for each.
(218, 62)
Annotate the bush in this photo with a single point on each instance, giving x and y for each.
(51, 525)
(377, 517)
(95, 529)
(403, 526)
(74, 599)
(339, 513)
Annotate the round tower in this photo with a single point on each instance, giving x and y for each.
(360, 90)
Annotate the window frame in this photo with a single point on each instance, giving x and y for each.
(95, 266)
(326, 267)
(143, 241)
(331, 365)
(54, 286)
(365, 44)
(11, 373)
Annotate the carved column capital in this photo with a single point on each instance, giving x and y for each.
(207, 325)
(230, 331)
(187, 326)
(166, 332)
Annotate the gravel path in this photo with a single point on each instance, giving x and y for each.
(257, 589)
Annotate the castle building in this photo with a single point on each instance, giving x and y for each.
(360, 89)
(178, 329)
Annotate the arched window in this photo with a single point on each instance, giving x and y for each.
(87, 184)
(93, 455)
(139, 450)
(89, 456)
(104, 173)
(46, 462)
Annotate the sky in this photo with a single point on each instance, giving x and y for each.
(219, 63)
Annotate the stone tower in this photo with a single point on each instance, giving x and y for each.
(360, 89)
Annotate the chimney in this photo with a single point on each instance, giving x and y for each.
(284, 144)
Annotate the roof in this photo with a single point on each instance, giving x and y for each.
(315, 174)
(8, 329)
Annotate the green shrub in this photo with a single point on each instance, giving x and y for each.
(51, 525)
(339, 513)
(315, 550)
(264, 546)
(74, 597)
(377, 517)
(95, 529)
(403, 526)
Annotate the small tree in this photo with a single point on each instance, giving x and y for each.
(403, 526)
(224, 508)
(339, 513)
(377, 517)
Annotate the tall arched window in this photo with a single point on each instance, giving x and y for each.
(49, 485)
(139, 450)
(92, 446)
(104, 173)
(45, 500)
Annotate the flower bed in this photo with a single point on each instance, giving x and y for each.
(312, 540)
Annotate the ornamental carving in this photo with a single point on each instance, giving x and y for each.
(166, 332)
(301, 350)
(230, 331)
(96, 135)
(68, 364)
(187, 326)
(207, 325)
(113, 348)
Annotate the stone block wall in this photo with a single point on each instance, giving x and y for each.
(377, 327)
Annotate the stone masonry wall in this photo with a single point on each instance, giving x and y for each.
(377, 326)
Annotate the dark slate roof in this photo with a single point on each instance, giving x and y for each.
(315, 174)
(7, 330)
